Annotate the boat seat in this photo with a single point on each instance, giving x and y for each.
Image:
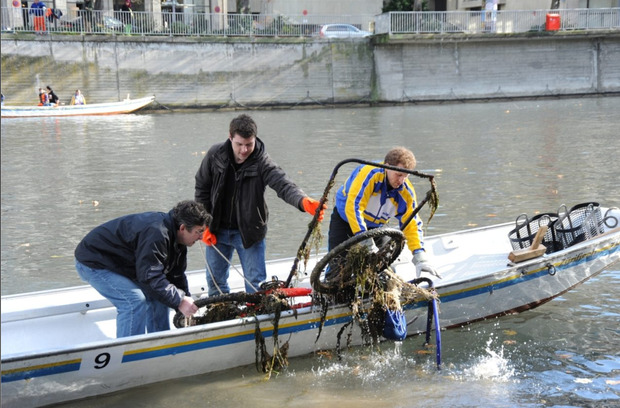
(50, 303)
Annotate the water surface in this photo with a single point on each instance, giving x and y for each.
(492, 162)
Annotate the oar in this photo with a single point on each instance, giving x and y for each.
(323, 200)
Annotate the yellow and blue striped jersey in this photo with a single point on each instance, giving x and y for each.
(366, 202)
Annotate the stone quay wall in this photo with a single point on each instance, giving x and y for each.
(259, 72)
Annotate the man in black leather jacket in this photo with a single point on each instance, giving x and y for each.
(138, 262)
(231, 184)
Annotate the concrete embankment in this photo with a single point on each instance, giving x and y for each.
(239, 72)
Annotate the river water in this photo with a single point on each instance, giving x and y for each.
(492, 162)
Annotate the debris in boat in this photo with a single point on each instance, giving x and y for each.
(369, 294)
(264, 361)
(434, 199)
(240, 304)
(273, 303)
(219, 312)
(315, 242)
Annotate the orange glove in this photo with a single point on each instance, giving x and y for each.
(209, 238)
(310, 206)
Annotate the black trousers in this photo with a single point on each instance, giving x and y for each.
(339, 230)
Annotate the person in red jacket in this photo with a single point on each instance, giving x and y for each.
(43, 98)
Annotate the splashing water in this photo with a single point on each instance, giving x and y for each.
(493, 365)
(368, 367)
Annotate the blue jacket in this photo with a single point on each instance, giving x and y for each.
(143, 248)
(365, 202)
(38, 9)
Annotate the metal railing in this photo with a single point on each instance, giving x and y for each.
(511, 21)
(181, 23)
(185, 23)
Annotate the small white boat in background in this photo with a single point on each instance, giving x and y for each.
(110, 108)
(60, 345)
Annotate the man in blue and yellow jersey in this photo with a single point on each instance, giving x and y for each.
(371, 196)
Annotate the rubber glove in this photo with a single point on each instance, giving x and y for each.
(370, 244)
(310, 206)
(422, 264)
(209, 238)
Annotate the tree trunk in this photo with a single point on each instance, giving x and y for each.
(417, 5)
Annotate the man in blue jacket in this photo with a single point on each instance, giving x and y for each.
(231, 184)
(138, 262)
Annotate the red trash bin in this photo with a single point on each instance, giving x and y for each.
(553, 22)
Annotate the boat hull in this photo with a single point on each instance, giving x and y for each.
(112, 108)
(42, 365)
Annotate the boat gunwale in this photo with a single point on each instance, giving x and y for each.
(176, 333)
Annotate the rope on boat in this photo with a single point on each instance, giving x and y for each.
(240, 273)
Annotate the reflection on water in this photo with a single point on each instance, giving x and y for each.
(492, 162)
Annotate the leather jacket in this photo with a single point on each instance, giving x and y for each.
(252, 177)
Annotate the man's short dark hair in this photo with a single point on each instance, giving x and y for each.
(191, 213)
(244, 126)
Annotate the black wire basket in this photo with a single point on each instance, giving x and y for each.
(522, 236)
(582, 222)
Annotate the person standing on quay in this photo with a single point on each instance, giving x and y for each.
(138, 262)
(37, 9)
(231, 184)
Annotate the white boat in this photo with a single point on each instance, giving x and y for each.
(109, 108)
(60, 345)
